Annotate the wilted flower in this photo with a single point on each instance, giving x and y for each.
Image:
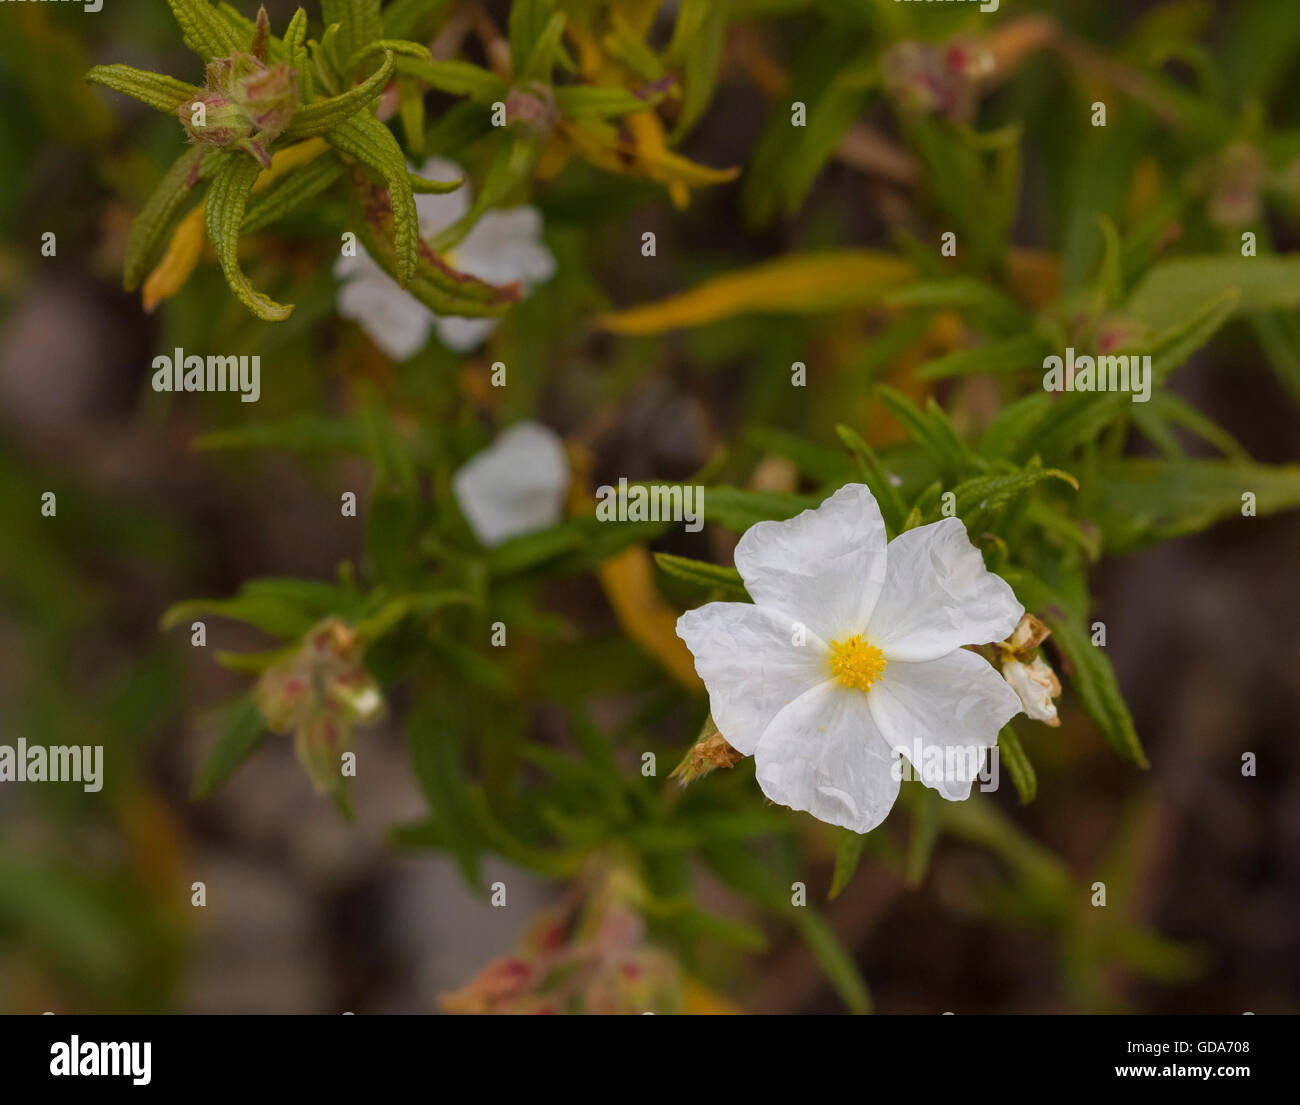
(945, 78)
(504, 246)
(516, 485)
(851, 654)
(1235, 184)
(319, 693)
(1036, 685)
(709, 751)
(1028, 674)
(588, 955)
(246, 103)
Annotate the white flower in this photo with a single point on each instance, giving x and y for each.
(851, 655)
(503, 246)
(514, 486)
(1036, 685)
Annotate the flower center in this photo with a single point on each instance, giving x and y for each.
(855, 663)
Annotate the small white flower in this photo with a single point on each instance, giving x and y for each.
(503, 246)
(514, 486)
(1036, 685)
(851, 655)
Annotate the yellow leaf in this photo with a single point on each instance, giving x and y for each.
(801, 284)
(628, 581)
(1034, 276)
(183, 253)
(645, 155)
(698, 999)
(186, 247)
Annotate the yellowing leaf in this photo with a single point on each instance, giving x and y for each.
(802, 284)
(645, 155)
(628, 582)
(1034, 276)
(699, 1000)
(183, 253)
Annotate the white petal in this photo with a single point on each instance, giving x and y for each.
(506, 245)
(514, 486)
(823, 753)
(939, 596)
(463, 334)
(750, 665)
(439, 210)
(823, 567)
(943, 713)
(395, 321)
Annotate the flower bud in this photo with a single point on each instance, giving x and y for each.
(245, 103)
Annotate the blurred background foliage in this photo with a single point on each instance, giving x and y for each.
(775, 245)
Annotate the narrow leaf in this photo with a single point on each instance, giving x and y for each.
(225, 204)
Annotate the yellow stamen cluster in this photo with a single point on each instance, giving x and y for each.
(855, 663)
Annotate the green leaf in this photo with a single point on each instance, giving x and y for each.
(366, 139)
(696, 47)
(1010, 355)
(295, 51)
(302, 433)
(284, 608)
(359, 24)
(817, 461)
(1141, 501)
(1173, 290)
(155, 89)
(1013, 425)
(409, 18)
(394, 46)
(434, 283)
(989, 494)
(203, 29)
(985, 305)
(1017, 765)
(882, 486)
(521, 553)
(224, 216)
(324, 115)
(548, 51)
(1279, 336)
(291, 191)
(529, 20)
(243, 729)
(924, 804)
(709, 577)
(154, 220)
(1172, 348)
(457, 78)
(590, 101)
(848, 853)
(833, 959)
(736, 509)
(1093, 678)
